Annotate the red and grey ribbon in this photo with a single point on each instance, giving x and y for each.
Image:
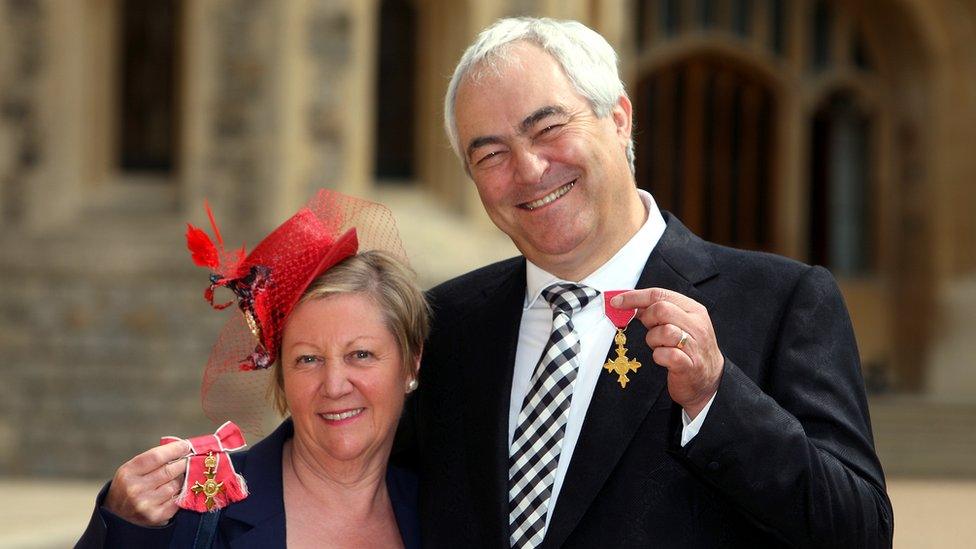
(227, 438)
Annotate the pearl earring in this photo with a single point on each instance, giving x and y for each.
(412, 386)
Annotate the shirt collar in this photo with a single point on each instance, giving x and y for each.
(620, 272)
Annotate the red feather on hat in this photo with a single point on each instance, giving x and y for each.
(206, 254)
(202, 248)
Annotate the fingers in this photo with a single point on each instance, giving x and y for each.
(640, 299)
(166, 512)
(137, 502)
(167, 492)
(665, 312)
(147, 513)
(154, 458)
(673, 319)
(166, 473)
(668, 322)
(674, 360)
(664, 339)
(143, 488)
(669, 336)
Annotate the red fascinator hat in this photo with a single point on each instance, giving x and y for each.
(267, 284)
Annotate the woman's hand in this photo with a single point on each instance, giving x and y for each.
(144, 488)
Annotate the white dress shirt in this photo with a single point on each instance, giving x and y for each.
(595, 331)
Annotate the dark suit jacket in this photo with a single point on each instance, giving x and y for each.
(784, 457)
(257, 521)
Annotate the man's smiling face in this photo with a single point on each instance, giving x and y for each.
(547, 169)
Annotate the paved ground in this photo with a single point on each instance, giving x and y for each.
(933, 513)
(50, 514)
(44, 514)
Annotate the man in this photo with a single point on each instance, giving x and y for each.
(746, 423)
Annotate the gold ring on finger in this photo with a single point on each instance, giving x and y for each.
(682, 340)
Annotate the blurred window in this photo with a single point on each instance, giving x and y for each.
(777, 24)
(708, 13)
(147, 117)
(820, 35)
(643, 19)
(396, 92)
(705, 148)
(840, 198)
(859, 53)
(669, 14)
(741, 17)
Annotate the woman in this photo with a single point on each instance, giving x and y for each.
(347, 346)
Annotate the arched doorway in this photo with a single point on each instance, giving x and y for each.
(799, 127)
(705, 129)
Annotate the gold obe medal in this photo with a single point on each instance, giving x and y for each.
(620, 365)
(210, 488)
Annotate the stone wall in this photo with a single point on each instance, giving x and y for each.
(104, 335)
(241, 120)
(21, 66)
(103, 331)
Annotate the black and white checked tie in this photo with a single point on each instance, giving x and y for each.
(541, 424)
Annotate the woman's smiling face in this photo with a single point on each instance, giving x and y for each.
(344, 379)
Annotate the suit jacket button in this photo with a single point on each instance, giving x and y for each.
(713, 466)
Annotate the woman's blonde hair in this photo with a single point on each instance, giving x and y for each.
(391, 285)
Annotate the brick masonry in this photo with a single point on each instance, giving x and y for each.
(101, 357)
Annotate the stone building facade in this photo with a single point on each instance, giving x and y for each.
(833, 132)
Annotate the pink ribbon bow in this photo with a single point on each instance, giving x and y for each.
(211, 482)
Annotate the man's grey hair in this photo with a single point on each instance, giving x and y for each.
(585, 57)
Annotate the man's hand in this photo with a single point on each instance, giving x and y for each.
(144, 488)
(681, 335)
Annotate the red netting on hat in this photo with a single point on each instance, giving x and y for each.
(267, 284)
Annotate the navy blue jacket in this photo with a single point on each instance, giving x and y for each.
(258, 521)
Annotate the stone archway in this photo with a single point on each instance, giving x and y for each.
(794, 58)
(705, 132)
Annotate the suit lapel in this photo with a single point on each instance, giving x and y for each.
(270, 534)
(490, 337)
(614, 413)
(260, 517)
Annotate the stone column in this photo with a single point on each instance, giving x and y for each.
(277, 104)
(340, 47)
(229, 120)
(444, 28)
(24, 67)
(52, 198)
